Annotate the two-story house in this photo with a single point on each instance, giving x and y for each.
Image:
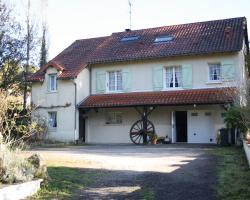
(183, 75)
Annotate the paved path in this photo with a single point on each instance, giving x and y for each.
(174, 172)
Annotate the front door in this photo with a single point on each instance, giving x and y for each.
(181, 126)
(81, 127)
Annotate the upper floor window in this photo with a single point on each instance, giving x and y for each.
(115, 81)
(52, 122)
(52, 83)
(214, 72)
(173, 77)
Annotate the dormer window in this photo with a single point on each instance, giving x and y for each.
(163, 39)
(130, 38)
(52, 83)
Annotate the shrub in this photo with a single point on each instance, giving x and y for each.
(15, 168)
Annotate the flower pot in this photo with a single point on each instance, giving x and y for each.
(154, 141)
(248, 140)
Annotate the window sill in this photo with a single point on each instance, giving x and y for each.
(52, 129)
(51, 92)
(110, 92)
(214, 82)
(112, 124)
(175, 88)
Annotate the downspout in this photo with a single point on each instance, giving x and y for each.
(90, 80)
(74, 82)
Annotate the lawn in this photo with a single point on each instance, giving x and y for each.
(233, 174)
(64, 183)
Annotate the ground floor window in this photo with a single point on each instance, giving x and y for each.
(113, 118)
(52, 122)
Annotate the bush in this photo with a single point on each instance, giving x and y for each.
(15, 168)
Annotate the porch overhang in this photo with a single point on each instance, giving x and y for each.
(161, 98)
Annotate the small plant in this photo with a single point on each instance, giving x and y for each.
(154, 139)
(248, 137)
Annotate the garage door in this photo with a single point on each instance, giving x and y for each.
(200, 127)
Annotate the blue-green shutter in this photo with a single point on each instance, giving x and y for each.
(187, 76)
(157, 78)
(126, 80)
(227, 71)
(100, 82)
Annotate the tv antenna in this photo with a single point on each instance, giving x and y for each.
(130, 13)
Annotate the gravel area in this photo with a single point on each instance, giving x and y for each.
(175, 172)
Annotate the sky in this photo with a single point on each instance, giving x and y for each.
(69, 20)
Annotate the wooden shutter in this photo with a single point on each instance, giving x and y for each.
(187, 76)
(227, 71)
(126, 80)
(100, 82)
(157, 78)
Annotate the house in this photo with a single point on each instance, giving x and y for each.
(176, 80)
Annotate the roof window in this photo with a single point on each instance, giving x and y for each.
(130, 38)
(163, 38)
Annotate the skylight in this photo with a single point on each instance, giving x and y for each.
(164, 38)
(130, 38)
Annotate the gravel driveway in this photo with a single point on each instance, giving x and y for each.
(174, 172)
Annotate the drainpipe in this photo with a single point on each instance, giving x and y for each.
(90, 80)
(74, 82)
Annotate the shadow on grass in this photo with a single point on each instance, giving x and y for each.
(64, 182)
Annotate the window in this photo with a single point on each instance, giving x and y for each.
(52, 120)
(194, 114)
(164, 38)
(173, 77)
(130, 38)
(52, 83)
(113, 118)
(214, 72)
(114, 81)
(208, 113)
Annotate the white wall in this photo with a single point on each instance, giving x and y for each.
(141, 71)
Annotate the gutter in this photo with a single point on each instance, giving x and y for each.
(75, 106)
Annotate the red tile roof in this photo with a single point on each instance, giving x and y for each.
(180, 97)
(199, 38)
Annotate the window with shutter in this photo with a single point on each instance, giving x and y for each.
(214, 72)
(114, 81)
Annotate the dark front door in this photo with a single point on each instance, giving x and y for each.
(181, 126)
(81, 127)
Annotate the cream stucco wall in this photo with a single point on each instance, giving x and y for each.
(100, 132)
(65, 94)
(141, 71)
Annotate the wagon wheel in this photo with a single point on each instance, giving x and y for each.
(136, 131)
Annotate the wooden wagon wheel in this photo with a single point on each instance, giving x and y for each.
(136, 131)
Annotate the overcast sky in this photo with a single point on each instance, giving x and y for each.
(69, 20)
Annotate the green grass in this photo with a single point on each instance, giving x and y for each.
(233, 174)
(65, 182)
(147, 194)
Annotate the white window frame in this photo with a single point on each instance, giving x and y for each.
(49, 120)
(116, 120)
(209, 75)
(116, 81)
(50, 83)
(165, 78)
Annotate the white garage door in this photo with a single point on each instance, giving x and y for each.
(200, 127)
